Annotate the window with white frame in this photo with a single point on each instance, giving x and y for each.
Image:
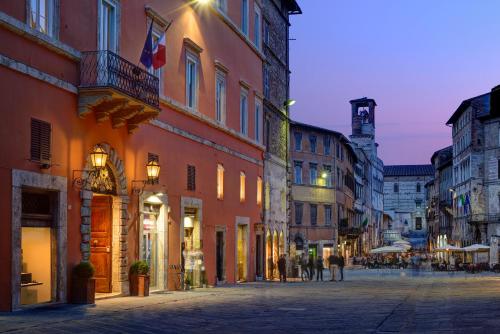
(257, 27)
(41, 15)
(220, 181)
(108, 26)
(258, 120)
(242, 186)
(220, 97)
(191, 80)
(156, 72)
(244, 16)
(244, 111)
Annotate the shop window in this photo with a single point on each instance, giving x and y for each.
(191, 178)
(40, 141)
(151, 220)
(192, 257)
(37, 247)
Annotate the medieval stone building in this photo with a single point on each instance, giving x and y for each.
(276, 102)
(363, 138)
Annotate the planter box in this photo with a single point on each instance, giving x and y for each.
(83, 291)
(139, 285)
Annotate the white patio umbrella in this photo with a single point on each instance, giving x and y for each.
(476, 248)
(387, 249)
(402, 244)
(448, 248)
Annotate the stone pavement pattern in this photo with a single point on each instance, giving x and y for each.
(368, 302)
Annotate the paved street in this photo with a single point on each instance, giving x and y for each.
(369, 301)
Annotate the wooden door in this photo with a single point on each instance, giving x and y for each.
(100, 242)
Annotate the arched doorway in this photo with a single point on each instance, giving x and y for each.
(104, 223)
(275, 254)
(269, 255)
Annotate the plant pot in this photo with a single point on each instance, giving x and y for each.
(83, 291)
(139, 285)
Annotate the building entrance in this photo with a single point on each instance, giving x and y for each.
(100, 242)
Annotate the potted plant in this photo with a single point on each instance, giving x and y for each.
(187, 283)
(139, 279)
(83, 284)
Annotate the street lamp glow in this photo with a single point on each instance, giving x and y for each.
(289, 102)
(324, 175)
(204, 2)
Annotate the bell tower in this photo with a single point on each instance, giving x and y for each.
(363, 117)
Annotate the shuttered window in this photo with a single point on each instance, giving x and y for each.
(153, 157)
(191, 178)
(40, 141)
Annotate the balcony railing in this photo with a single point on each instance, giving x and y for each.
(99, 69)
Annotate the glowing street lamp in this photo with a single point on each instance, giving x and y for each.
(289, 103)
(204, 2)
(98, 157)
(153, 171)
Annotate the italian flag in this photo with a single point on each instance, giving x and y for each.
(159, 53)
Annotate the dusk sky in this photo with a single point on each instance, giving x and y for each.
(417, 58)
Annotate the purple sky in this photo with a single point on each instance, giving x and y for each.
(417, 58)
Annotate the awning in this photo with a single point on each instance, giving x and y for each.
(476, 248)
(388, 249)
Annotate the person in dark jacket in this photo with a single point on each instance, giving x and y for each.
(319, 268)
(332, 261)
(310, 264)
(282, 268)
(341, 266)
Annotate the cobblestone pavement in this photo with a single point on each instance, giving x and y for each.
(367, 302)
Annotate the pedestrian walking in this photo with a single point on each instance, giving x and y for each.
(331, 266)
(282, 268)
(319, 268)
(341, 263)
(310, 264)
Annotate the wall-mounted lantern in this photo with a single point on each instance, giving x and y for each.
(97, 177)
(98, 157)
(153, 171)
(153, 174)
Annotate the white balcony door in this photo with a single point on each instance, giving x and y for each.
(107, 26)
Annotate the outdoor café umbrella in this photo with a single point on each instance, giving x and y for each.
(387, 249)
(448, 248)
(476, 248)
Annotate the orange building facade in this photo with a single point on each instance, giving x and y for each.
(72, 85)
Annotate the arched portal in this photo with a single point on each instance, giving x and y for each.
(104, 223)
(269, 255)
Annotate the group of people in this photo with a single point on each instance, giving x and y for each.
(336, 265)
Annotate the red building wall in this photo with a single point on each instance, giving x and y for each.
(24, 97)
